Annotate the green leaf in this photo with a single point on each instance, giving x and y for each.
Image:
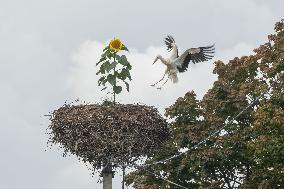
(104, 82)
(111, 66)
(124, 48)
(123, 60)
(106, 53)
(101, 80)
(125, 74)
(127, 85)
(106, 48)
(121, 76)
(117, 89)
(111, 79)
(103, 67)
(103, 88)
(129, 67)
(110, 55)
(117, 57)
(101, 60)
(116, 74)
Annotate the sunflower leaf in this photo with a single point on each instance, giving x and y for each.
(106, 48)
(109, 55)
(103, 58)
(111, 79)
(127, 85)
(103, 68)
(111, 66)
(117, 57)
(103, 88)
(101, 80)
(125, 74)
(125, 62)
(106, 53)
(124, 48)
(117, 89)
(129, 67)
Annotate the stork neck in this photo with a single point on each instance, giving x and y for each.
(164, 61)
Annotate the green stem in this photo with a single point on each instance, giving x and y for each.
(114, 80)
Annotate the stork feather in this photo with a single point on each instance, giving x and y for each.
(195, 55)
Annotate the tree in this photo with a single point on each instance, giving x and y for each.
(249, 153)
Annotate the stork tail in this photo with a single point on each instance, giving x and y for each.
(173, 78)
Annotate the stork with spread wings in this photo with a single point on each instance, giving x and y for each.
(176, 63)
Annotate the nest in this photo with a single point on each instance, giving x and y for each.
(102, 134)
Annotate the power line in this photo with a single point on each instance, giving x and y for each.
(198, 144)
(255, 101)
(160, 177)
(207, 138)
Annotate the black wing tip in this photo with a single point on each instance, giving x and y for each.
(207, 53)
(208, 49)
(169, 40)
(182, 69)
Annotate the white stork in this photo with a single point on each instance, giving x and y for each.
(176, 63)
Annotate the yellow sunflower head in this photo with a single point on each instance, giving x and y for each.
(115, 44)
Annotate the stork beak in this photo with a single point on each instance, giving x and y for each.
(155, 60)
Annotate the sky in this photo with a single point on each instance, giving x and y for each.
(48, 51)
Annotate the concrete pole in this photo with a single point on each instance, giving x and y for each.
(123, 176)
(107, 174)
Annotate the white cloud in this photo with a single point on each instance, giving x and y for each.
(83, 80)
(241, 49)
(199, 77)
(76, 175)
(38, 38)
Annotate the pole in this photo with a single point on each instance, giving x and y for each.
(107, 174)
(123, 176)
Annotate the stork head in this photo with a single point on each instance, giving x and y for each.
(158, 57)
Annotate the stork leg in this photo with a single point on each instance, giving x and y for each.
(153, 85)
(163, 84)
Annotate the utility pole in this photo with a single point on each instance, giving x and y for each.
(107, 175)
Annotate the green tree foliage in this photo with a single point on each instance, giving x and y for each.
(249, 153)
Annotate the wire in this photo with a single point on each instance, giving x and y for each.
(160, 177)
(198, 144)
(255, 101)
(207, 138)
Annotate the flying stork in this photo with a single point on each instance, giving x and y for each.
(176, 63)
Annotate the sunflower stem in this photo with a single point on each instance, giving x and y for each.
(114, 79)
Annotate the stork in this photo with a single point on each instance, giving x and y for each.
(176, 63)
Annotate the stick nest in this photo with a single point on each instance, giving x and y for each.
(102, 134)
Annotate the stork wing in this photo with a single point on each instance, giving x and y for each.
(195, 55)
(169, 40)
(171, 46)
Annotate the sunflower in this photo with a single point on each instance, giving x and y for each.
(115, 44)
